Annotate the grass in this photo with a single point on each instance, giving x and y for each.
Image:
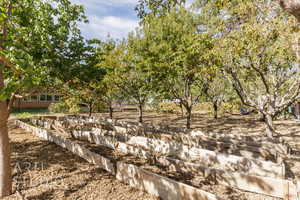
(29, 112)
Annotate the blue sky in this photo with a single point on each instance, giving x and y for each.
(114, 17)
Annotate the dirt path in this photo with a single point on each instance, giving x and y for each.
(42, 170)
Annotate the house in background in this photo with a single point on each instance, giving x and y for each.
(37, 101)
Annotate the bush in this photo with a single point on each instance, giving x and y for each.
(224, 107)
(60, 107)
(72, 105)
(230, 107)
(74, 109)
(101, 107)
(168, 107)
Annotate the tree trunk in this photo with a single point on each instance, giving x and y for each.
(215, 110)
(296, 110)
(111, 111)
(291, 6)
(90, 109)
(181, 108)
(19, 105)
(140, 108)
(263, 118)
(270, 129)
(188, 117)
(5, 168)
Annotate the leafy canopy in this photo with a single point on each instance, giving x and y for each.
(38, 40)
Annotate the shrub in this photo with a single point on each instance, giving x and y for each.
(74, 109)
(224, 107)
(73, 105)
(60, 107)
(97, 107)
(168, 107)
(230, 107)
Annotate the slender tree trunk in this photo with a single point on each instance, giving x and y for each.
(270, 129)
(188, 117)
(111, 111)
(5, 168)
(90, 109)
(215, 109)
(296, 112)
(263, 118)
(19, 105)
(181, 108)
(140, 108)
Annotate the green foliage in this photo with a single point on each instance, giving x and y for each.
(60, 107)
(24, 115)
(180, 56)
(230, 107)
(39, 45)
(167, 107)
(73, 105)
(263, 71)
(258, 44)
(29, 112)
(156, 7)
(108, 60)
(100, 106)
(128, 77)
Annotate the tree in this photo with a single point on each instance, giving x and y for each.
(219, 89)
(180, 55)
(85, 79)
(108, 61)
(156, 7)
(259, 61)
(110, 94)
(231, 15)
(127, 75)
(33, 35)
(132, 75)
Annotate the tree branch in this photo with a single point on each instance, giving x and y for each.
(11, 102)
(263, 78)
(6, 63)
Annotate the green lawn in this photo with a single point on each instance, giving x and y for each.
(29, 112)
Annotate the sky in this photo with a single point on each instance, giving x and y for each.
(108, 17)
(115, 18)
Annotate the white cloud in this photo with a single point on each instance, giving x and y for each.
(116, 27)
(92, 4)
(120, 2)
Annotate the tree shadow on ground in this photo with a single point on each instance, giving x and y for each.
(44, 195)
(71, 176)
